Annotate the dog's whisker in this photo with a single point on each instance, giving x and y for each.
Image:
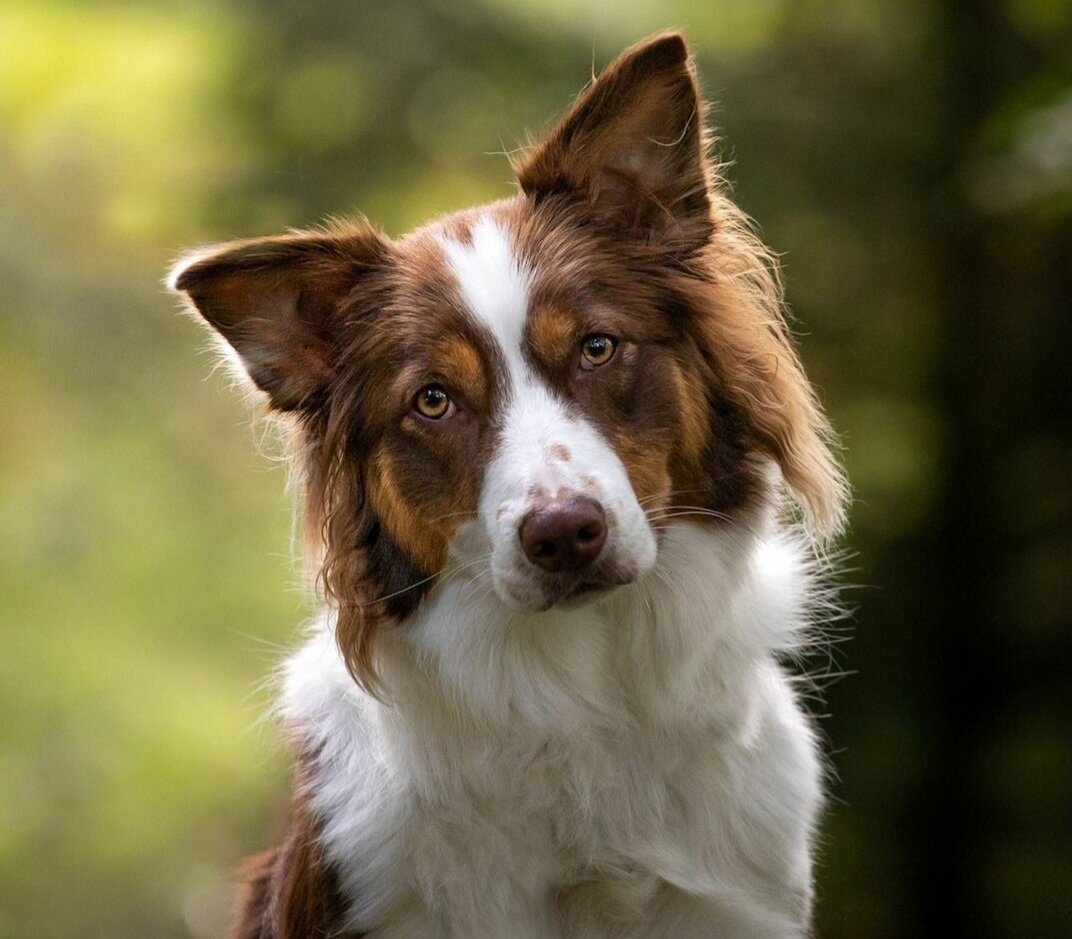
(445, 573)
(483, 579)
(398, 593)
(668, 496)
(439, 518)
(686, 512)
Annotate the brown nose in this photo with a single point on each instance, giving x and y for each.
(564, 535)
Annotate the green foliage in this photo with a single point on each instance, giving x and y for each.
(912, 161)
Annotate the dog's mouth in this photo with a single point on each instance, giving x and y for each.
(582, 591)
(585, 588)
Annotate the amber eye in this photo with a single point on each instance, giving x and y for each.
(432, 402)
(597, 350)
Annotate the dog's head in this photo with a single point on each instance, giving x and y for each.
(529, 388)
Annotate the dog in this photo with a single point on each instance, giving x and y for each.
(566, 487)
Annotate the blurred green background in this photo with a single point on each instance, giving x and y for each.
(912, 162)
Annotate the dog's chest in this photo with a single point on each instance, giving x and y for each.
(606, 803)
(605, 765)
(616, 793)
(610, 759)
(601, 818)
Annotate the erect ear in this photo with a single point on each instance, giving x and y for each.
(633, 146)
(277, 302)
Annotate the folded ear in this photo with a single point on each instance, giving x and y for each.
(278, 302)
(633, 146)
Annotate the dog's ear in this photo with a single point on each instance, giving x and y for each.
(633, 146)
(278, 302)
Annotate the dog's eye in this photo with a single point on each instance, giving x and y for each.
(432, 402)
(597, 350)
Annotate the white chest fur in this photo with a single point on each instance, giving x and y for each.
(636, 767)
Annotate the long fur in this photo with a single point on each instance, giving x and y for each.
(489, 746)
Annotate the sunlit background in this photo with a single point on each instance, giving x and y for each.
(912, 163)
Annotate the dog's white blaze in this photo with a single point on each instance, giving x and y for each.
(495, 286)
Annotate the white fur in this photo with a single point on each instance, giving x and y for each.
(185, 261)
(637, 767)
(495, 286)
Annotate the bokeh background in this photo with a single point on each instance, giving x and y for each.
(912, 162)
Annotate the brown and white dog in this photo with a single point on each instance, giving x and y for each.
(546, 448)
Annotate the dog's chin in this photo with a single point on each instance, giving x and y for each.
(563, 591)
(586, 594)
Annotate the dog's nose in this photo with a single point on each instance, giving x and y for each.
(564, 535)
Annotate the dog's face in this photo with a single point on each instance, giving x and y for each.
(529, 388)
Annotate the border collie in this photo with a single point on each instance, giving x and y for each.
(565, 486)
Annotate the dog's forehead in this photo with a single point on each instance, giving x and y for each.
(493, 282)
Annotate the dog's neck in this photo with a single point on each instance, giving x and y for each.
(675, 648)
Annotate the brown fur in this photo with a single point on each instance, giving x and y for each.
(629, 231)
(459, 362)
(633, 143)
(276, 301)
(426, 539)
(648, 468)
(552, 333)
(289, 892)
(745, 338)
(678, 208)
(693, 423)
